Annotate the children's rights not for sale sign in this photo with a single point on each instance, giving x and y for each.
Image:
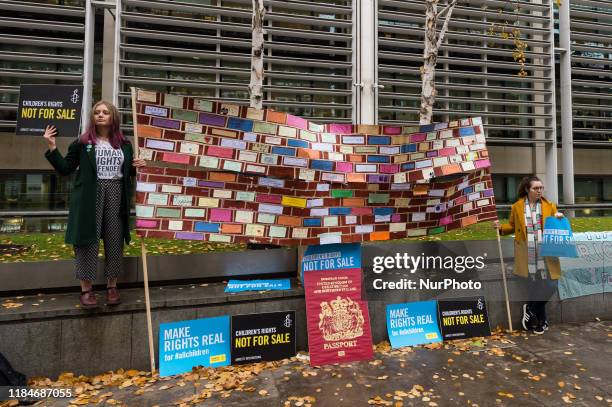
(43, 105)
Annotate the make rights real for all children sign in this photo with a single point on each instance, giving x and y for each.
(413, 323)
(199, 342)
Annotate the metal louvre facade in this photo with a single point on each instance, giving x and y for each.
(475, 72)
(591, 36)
(203, 48)
(40, 42)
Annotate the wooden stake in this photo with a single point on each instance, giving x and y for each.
(503, 267)
(143, 249)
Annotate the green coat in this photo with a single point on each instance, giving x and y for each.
(82, 216)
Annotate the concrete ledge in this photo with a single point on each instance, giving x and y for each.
(60, 274)
(67, 338)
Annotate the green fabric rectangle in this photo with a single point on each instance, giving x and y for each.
(194, 137)
(378, 198)
(203, 105)
(435, 231)
(168, 213)
(262, 127)
(173, 101)
(342, 193)
(185, 115)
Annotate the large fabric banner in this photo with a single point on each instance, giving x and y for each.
(591, 272)
(227, 173)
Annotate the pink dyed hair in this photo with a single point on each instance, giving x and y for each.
(116, 137)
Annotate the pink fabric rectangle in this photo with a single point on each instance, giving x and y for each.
(220, 152)
(482, 163)
(447, 151)
(415, 138)
(220, 215)
(144, 223)
(344, 167)
(297, 122)
(340, 128)
(396, 217)
(392, 130)
(460, 200)
(176, 158)
(446, 220)
(265, 198)
(361, 211)
(388, 168)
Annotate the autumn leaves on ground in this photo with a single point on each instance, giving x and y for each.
(568, 365)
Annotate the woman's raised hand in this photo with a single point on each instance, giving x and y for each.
(50, 133)
(139, 162)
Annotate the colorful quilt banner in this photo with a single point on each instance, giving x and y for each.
(227, 173)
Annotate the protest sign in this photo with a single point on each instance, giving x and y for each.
(557, 239)
(337, 318)
(463, 318)
(412, 323)
(235, 286)
(43, 105)
(263, 337)
(591, 272)
(198, 342)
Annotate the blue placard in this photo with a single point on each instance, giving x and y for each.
(557, 239)
(198, 342)
(236, 286)
(332, 257)
(413, 323)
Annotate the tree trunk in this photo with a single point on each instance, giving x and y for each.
(430, 57)
(433, 41)
(257, 49)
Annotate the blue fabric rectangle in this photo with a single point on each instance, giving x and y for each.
(384, 140)
(206, 227)
(466, 131)
(284, 151)
(378, 159)
(322, 165)
(427, 127)
(383, 211)
(467, 190)
(407, 166)
(312, 222)
(297, 143)
(408, 148)
(240, 124)
(339, 211)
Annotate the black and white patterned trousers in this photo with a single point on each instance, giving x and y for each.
(109, 225)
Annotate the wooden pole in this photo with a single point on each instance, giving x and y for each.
(503, 267)
(143, 249)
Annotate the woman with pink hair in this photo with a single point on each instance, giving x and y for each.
(101, 195)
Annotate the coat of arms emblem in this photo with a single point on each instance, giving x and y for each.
(341, 319)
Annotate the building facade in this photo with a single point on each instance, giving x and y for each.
(330, 61)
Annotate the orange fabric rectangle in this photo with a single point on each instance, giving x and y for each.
(289, 220)
(221, 176)
(231, 228)
(148, 131)
(451, 169)
(353, 202)
(351, 177)
(306, 153)
(276, 117)
(355, 158)
(420, 189)
(380, 236)
(470, 220)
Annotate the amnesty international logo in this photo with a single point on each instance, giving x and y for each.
(341, 319)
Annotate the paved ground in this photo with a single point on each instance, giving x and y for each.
(570, 364)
